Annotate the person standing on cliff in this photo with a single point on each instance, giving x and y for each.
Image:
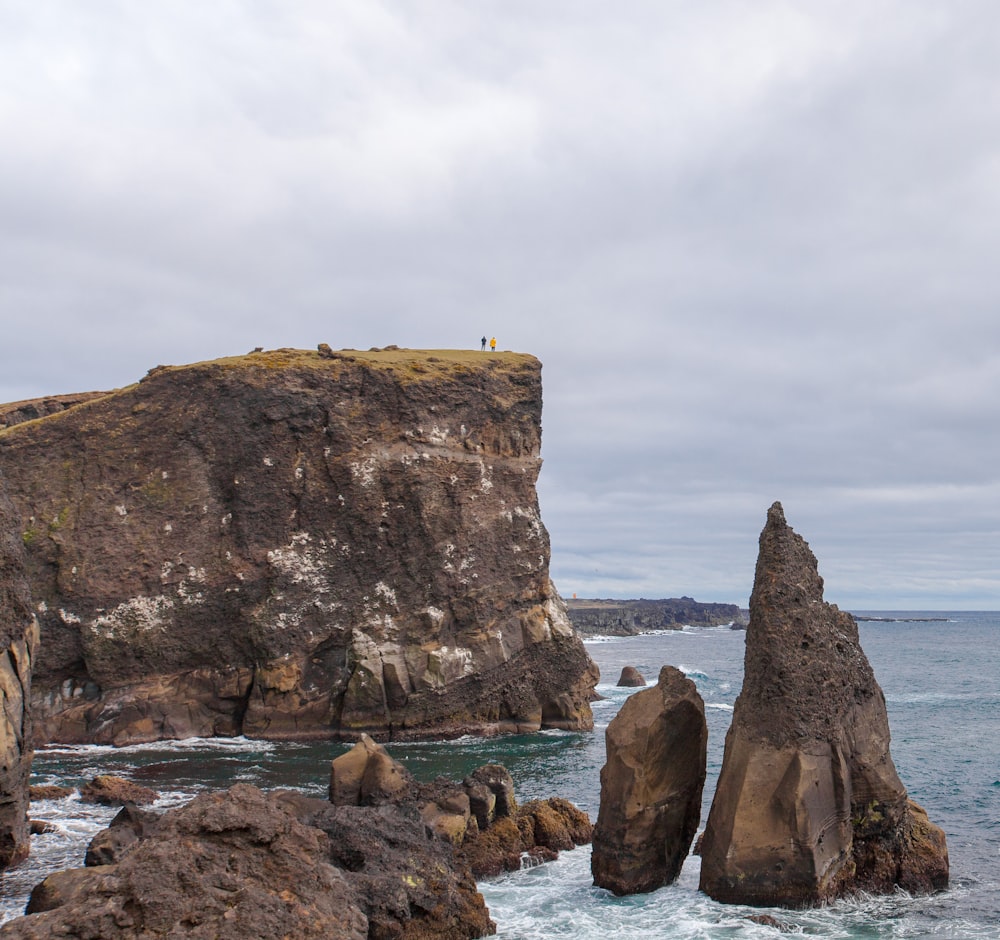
(483, 347)
(493, 344)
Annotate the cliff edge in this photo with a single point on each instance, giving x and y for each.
(294, 544)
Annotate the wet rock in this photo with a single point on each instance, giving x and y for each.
(130, 826)
(289, 546)
(49, 792)
(631, 678)
(109, 790)
(651, 786)
(809, 806)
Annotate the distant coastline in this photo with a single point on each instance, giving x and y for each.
(870, 619)
(615, 617)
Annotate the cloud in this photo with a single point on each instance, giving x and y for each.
(753, 246)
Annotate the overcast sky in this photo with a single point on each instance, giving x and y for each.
(754, 244)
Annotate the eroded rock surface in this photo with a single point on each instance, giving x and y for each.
(479, 817)
(651, 786)
(294, 545)
(631, 678)
(809, 806)
(18, 638)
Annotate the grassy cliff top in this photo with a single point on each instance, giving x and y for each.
(405, 366)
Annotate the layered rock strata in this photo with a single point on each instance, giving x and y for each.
(291, 545)
(809, 806)
(18, 639)
(651, 786)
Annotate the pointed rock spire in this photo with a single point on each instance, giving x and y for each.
(809, 806)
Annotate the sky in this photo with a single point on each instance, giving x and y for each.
(754, 245)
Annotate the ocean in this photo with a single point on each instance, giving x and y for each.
(941, 680)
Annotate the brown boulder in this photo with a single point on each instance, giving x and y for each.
(366, 775)
(109, 790)
(809, 806)
(651, 786)
(631, 678)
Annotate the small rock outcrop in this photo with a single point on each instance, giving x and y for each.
(809, 806)
(631, 678)
(18, 637)
(296, 545)
(479, 817)
(109, 790)
(651, 786)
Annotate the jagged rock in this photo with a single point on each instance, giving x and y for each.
(631, 678)
(480, 817)
(240, 864)
(116, 791)
(130, 826)
(18, 639)
(651, 786)
(325, 351)
(809, 806)
(227, 865)
(287, 546)
(39, 827)
(366, 775)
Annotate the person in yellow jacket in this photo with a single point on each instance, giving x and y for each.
(493, 344)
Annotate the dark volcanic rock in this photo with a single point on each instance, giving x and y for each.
(293, 545)
(651, 786)
(18, 638)
(631, 678)
(809, 806)
(228, 865)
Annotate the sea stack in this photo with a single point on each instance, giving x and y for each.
(651, 786)
(296, 544)
(809, 806)
(18, 636)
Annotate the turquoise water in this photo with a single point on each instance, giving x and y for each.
(942, 687)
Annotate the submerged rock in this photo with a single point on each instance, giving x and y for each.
(809, 806)
(18, 639)
(651, 786)
(295, 544)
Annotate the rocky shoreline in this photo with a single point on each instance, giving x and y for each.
(364, 560)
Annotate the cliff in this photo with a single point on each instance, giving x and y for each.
(290, 544)
(18, 637)
(632, 617)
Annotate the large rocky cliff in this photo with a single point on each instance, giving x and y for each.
(291, 544)
(18, 637)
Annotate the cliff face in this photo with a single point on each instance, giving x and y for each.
(18, 636)
(286, 544)
(808, 806)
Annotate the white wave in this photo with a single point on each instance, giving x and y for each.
(720, 705)
(232, 745)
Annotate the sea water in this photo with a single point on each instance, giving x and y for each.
(941, 680)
